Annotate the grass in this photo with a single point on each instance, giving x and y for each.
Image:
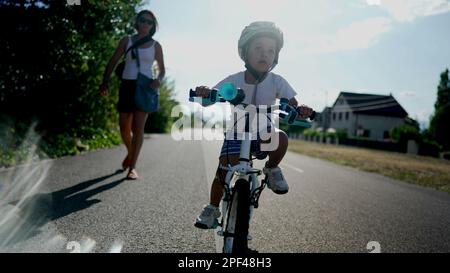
(420, 170)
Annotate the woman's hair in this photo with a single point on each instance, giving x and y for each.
(155, 24)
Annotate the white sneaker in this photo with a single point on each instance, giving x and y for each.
(208, 217)
(275, 180)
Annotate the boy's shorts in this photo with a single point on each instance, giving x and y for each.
(233, 147)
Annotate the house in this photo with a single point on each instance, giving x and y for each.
(323, 119)
(363, 115)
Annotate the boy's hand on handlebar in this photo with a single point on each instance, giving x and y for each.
(202, 91)
(304, 111)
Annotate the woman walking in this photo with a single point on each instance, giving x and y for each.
(139, 59)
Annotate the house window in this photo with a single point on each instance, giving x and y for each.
(340, 116)
(346, 115)
(386, 135)
(359, 132)
(366, 133)
(334, 116)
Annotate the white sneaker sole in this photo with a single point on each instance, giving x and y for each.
(204, 226)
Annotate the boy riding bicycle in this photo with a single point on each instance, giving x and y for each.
(259, 47)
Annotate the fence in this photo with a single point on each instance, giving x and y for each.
(364, 143)
(410, 147)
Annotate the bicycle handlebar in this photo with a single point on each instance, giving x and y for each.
(229, 93)
(211, 99)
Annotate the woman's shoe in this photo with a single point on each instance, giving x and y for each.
(132, 175)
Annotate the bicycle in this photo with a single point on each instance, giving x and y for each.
(242, 187)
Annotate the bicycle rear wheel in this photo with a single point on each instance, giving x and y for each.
(238, 219)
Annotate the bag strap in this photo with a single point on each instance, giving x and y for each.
(138, 63)
(138, 43)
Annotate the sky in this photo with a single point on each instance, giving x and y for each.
(384, 47)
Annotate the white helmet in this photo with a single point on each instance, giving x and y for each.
(258, 29)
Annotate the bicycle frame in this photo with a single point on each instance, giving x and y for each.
(245, 171)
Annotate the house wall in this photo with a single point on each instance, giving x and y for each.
(377, 124)
(346, 120)
(342, 117)
(322, 121)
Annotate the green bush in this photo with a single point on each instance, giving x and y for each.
(341, 133)
(429, 148)
(403, 133)
(311, 132)
(21, 143)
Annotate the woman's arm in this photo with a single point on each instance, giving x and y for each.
(120, 50)
(159, 57)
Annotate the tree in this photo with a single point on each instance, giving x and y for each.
(53, 59)
(439, 128)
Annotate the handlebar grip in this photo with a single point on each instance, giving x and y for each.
(193, 93)
(284, 101)
(288, 118)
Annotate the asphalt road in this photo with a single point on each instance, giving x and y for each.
(81, 203)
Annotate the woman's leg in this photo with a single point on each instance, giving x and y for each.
(139, 119)
(125, 123)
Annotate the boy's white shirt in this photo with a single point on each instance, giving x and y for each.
(271, 88)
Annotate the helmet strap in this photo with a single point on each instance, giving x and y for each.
(259, 77)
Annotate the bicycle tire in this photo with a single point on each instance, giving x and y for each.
(240, 242)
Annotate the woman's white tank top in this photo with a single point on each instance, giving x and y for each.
(146, 59)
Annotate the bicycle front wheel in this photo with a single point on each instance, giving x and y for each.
(238, 219)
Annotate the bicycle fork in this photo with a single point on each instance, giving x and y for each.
(226, 224)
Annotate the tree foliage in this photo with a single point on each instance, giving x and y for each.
(439, 128)
(53, 56)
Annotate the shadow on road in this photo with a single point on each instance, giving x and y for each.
(39, 209)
